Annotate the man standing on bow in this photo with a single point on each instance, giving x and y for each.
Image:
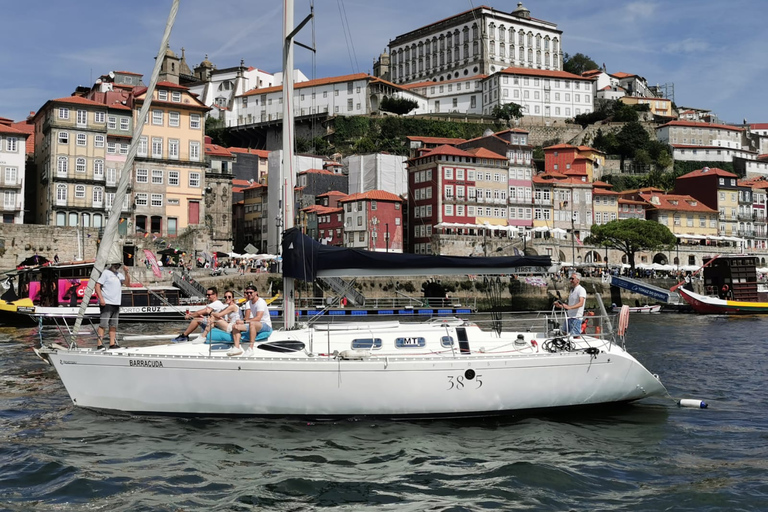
(109, 290)
(574, 310)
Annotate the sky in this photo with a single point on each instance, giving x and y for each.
(713, 51)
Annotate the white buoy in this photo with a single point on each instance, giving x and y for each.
(691, 402)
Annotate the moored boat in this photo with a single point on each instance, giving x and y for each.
(731, 288)
(51, 292)
(448, 368)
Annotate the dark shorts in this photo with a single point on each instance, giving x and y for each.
(109, 316)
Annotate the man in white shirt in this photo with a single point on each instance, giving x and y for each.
(199, 317)
(109, 290)
(574, 310)
(257, 319)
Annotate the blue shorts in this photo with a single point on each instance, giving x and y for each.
(574, 326)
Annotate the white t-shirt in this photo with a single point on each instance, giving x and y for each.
(111, 287)
(217, 306)
(260, 305)
(573, 299)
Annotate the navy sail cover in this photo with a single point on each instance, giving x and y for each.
(304, 258)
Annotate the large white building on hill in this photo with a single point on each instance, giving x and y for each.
(480, 41)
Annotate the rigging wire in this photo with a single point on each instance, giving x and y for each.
(348, 37)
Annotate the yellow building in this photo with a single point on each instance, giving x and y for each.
(682, 214)
(78, 159)
(658, 106)
(169, 171)
(605, 203)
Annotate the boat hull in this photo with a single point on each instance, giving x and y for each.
(716, 306)
(326, 387)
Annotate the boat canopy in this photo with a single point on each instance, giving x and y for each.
(307, 259)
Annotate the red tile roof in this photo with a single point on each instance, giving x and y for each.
(373, 195)
(28, 128)
(621, 74)
(696, 124)
(446, 150)
(543, 73)
(311, 83)
(684, 203)
(430, 83)
(9, 130)
(331, 193)
(436, 140)
(318, 171)
(708, 171)
(262, 153)
(216, 150)
(560, 146)
(486, 153)
(759, 126)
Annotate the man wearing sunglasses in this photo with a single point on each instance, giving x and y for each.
(257, 319)
(199, 317)
(574, 310)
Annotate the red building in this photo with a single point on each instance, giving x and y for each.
(574, 161)
(374, 221)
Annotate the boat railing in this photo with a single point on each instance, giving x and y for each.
(550, 323)
(380, 303)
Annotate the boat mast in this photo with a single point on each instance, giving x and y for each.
(287, 177)
(108, 240)
(288, 172)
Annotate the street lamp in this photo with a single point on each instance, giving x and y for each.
(573, 237)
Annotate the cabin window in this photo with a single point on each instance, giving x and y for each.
(446, 341)
(410, 342)
(369, 343)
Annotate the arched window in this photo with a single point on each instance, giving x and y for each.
(62, 166)
(98, 196)
(98, 220)
(61, 194)
(98, 170)
(80, 165)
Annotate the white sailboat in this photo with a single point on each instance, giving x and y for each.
(444, 368)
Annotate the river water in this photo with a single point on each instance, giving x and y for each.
(651, 455)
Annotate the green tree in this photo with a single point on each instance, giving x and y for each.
(400, 106)
(606, 142)
(631, 138)
(578, 63)
(507, 112)
(214, 128)
(632, 235)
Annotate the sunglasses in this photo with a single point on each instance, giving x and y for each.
(248, 293)
(228, 297)
(209, 294)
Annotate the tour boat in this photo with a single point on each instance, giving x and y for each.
(730, 287)
(49, 293)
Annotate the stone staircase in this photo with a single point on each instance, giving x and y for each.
(188, 285)
(345, 289)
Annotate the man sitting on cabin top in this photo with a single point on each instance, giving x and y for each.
(199, 317)
(257, 320)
